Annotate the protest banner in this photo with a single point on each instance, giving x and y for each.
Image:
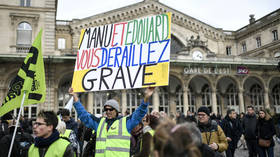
(125, 55)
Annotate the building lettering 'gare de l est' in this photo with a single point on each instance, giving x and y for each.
(209, 66)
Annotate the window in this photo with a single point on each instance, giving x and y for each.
(134, 97)
(228, 50)
(61, 43)
(191, 99)
(180, 100)
(276, 95)
(259, 42)
(244, 48)
(257, 97)
(206, 96)
(25, 3)
(231, 96)
(24, 34)
(163, 100)
(176, 45)
(275, 35)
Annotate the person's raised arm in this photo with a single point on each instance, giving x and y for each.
(141, 111)
(89, 120)
(148, 93)
(75, 96)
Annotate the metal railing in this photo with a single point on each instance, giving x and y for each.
(22, 49)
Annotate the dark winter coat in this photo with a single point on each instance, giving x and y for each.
(249, 127)
(21, 143)
(233, 129)
(72, 125)
(265, 129)
(3, 129)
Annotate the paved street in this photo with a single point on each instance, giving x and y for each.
(244, 153)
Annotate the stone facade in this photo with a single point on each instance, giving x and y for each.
(232, 70)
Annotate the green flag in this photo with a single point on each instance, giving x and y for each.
(30, 78)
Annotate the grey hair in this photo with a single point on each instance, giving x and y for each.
(61, 127)
(195, 133)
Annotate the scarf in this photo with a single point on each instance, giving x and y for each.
(44, 142)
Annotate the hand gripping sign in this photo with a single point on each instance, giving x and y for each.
(125, 55)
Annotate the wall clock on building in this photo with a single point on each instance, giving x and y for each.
(197, 55)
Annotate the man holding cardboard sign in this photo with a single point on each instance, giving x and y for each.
(113, 131)
(124, 55)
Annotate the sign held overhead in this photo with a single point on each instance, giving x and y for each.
(125, 55)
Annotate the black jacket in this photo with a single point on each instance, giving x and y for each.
(3, 129)
(265, 129)
(21, 143)
(72, 125)
(233, 129)
(249, 127)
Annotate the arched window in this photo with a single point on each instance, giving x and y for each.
(179, 99)
(163, 99)
(24, 34)
(257, 97)
(231, 96)
(134, 97)
(191, 99)
(206, 96)
(276, 94)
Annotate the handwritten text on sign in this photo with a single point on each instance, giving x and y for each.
(124, 55)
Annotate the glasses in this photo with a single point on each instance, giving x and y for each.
(108, 109)
(38, 124)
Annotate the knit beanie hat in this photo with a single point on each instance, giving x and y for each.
(204, 109)
(113, 103)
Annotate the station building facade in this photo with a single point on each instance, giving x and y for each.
(209, 66)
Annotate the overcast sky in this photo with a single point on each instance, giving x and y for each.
(226, 14)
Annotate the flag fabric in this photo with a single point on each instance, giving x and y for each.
(30, 79)
(69, 104)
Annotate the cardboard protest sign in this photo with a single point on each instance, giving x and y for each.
(125, 55)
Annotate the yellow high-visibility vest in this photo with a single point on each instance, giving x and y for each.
(56, 149)
(115, 142)
(66, 133)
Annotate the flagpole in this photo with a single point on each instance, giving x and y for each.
(14, 134)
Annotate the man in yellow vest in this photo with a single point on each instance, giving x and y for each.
(113, 132)
(47, 141)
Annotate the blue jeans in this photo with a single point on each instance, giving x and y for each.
(266, 152)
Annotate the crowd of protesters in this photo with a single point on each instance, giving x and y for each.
(140, 134)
